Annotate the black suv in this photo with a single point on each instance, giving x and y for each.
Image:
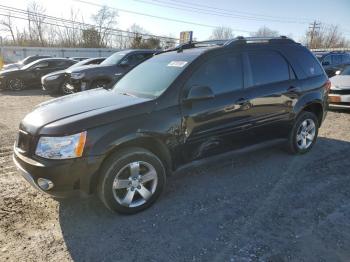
(108, 72)
(333, 61)
(200, 100)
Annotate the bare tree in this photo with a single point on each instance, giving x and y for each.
(105, 21)
(7, 26)
(325, 37)
(265, 32)
(37, 21)
(222, 33)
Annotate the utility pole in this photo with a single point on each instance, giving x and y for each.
(313, 28)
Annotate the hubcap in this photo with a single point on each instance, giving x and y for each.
(135, 183)
(16, 84)
(306, 134)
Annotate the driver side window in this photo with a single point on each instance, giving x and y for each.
(222, 74)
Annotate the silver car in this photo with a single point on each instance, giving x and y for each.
(339, 95)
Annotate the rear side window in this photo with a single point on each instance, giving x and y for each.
(308, 62)
(267, 67)
(222, 74)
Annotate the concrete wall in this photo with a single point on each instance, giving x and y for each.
(16, 53)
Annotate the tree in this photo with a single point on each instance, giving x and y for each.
(37, 22)
(91, 38)
(222, 33)
(105, 21)
(325, 37)
(265, 32)
(7, 26)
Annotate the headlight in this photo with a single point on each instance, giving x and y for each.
(63, 147)
(77, 75)
(49, 78)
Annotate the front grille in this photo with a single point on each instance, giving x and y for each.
(23, 141)
(340, 91)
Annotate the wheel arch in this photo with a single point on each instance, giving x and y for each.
(152, 144)
(313, 102)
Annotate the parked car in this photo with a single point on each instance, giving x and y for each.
(109, 71)
(333, 61)
(339, 95)
(25, 61)
(200, 100)
(56, 82)
(30, 75)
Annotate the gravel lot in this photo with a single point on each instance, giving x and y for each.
(259, 206)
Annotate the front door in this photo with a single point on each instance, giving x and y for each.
(214, 125)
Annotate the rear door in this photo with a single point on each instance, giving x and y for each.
(212, 126)
(271, 89)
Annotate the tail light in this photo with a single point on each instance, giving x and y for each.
(328, 85)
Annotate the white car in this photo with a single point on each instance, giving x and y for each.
(339, 95)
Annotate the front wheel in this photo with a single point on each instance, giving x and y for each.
(304, 133)
(131, 180)
(16, 84)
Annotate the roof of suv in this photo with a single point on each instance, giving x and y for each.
(196, 48)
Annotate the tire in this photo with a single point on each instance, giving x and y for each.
(99, 84)
(64, 89)
(303, 134)
(121, 185)
(16, 84)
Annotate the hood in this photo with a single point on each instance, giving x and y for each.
(55, 73)
(11, 66)
(88, 68)
(77, 107)
(9, 71)
(341, 81)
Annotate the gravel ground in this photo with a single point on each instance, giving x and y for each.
(260, 206)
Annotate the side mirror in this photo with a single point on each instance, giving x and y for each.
(337, 72)
(326, 63)
(199, 93)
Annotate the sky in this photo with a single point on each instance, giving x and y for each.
(290, 18)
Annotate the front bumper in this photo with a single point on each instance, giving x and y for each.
(339, 100)
(70, 177)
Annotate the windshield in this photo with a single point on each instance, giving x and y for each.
(81, 63)
(114, 59)
(152, 77)
(345, 71)
(30, 64)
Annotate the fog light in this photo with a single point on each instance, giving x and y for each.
(45, 184)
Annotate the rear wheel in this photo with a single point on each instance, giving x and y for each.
(131, 180)
(16, 84)
(304, 133)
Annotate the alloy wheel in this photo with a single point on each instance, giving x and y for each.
(306, 134)
(16, 84)
(135, 184)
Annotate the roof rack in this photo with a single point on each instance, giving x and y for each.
(253, 40)
(230, 42)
